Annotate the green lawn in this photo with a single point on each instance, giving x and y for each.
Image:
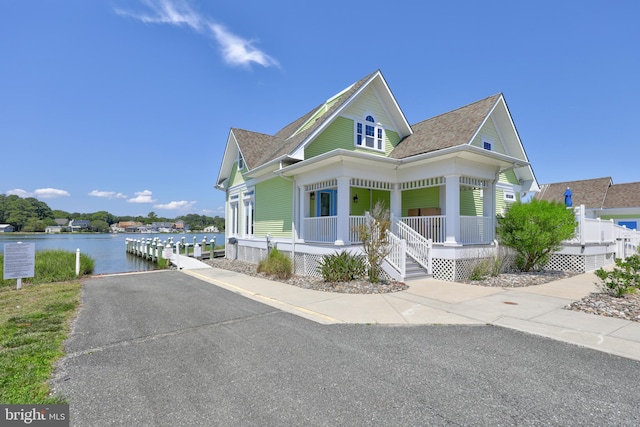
(34, 322)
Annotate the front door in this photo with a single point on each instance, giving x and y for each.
(327, 203)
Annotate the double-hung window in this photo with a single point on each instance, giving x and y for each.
(369, 134)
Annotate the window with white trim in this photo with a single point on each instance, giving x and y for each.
(248, 209)
(509, 196)
(240, 161)
(369, 134)
(233, 215)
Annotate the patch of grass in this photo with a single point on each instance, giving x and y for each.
(34, 322)
(276, 264)
(53, 265)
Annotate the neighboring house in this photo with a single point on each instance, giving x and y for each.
(307, 187)
(211, 229)
(53, 229)
(180, 225)
(79, 224)
(607, 217)
(6, 228)
(62, 222)
(601, 198)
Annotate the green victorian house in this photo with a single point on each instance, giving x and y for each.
(306, 188)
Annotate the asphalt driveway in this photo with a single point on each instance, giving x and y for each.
(165, 348)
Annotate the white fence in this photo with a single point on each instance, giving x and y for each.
(601, 231)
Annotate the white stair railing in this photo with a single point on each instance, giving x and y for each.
(418, 247)
(397, 257)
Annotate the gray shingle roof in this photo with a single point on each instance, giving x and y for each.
(258, 148)
(450, 129)
(623, 196)
(589, 192)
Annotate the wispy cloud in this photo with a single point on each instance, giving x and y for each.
(236, 50)
(107, 194)
(181, 205)
(142, 197)
(41, 193)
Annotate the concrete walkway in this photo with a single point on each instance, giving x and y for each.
(535, 309)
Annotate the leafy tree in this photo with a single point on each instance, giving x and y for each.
(102, 216)
(373, 235)
(534, 230)
(100, 226)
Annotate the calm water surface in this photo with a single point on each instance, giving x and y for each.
(107, 250)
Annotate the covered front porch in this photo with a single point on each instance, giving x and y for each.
(331, 211)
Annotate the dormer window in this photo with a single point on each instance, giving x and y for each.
(240, 161)
(369, 134)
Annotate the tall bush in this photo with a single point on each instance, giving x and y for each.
(276, 264)
(534, 230)
(374, 238)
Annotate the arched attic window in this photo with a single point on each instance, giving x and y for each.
(369, 134)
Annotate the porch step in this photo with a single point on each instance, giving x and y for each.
(414, 270)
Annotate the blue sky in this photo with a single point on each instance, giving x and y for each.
(126, 105)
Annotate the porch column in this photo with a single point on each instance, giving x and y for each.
(396, 201)
(303, 212)
(489, 208)
(452, 210)
(342, 235)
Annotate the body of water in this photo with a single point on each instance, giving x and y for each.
(107, 250)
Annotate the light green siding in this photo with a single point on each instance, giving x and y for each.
(509, 176)
(273, 208)
(338, 135)
(488, 131)
(420, 198)
(367, 200)
(236, 177)
(470, 202)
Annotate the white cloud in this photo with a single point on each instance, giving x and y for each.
(107, 194)
(20, 193)
(183, 204)
(235, 49)
(50, 193)
(40, 193)
(238, 51)
(142, 197)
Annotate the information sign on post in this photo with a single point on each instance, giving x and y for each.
(19, 261)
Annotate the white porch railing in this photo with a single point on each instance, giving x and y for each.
(322, 229)
(476, 230)
(354, 224)
(430, 227)
(418, 247)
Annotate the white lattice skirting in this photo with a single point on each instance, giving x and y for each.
(451, 270)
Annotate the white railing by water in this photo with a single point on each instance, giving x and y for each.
(430, 227)
(476, 230)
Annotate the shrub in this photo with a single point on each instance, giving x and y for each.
(534, 230)
(375, 244)
(342, 267)
(623, 279)
(276, 264)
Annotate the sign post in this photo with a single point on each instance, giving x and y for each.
(19, 261)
